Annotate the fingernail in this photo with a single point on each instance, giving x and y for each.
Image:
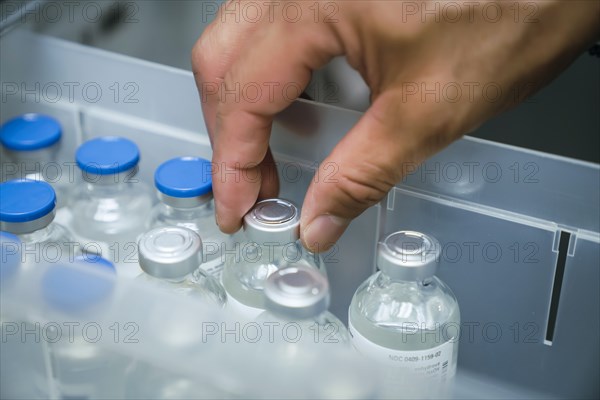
(323, 232)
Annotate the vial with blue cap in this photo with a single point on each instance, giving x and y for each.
(110, 207)
(31, 144)
(404, 317)
(27, 209)
(299, 296)
(270, 242)
(184, 187)
(82, 367)
(170, 257)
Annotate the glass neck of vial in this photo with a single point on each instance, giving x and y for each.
(105, 190)
(45, 155)
(176, 280)
(33, 164)
(33, 231)
(273, 250)
(318, 318)
(37, 236)
(185, 205)
(107, 185)
(384, 279)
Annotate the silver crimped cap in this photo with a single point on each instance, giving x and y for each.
(273, 220)
(297, 292)
(408, 255)
(170, 252)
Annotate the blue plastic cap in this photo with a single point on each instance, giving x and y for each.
(74, 288)
(23, 200)
(184, 177)
(30, 132)
(107, 155)
(10, 255)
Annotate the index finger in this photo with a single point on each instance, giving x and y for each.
(263, 81)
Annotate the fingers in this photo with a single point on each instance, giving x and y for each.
(366, 164)
(268, 74)
(239, 149)
(243, 185)
(269, 181)
(212, 56)
(247, 71)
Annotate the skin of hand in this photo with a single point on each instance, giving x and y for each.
(400, 49)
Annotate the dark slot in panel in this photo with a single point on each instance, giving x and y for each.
(559, 273)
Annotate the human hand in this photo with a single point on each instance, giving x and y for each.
(407, 52)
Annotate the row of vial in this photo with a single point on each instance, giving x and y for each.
(403, 316)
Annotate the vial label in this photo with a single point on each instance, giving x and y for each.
(213, 267)
(434, 363)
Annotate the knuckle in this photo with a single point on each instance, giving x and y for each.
(200, 55)
(363, 187)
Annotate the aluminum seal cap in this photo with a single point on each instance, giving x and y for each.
(26, 205)
(408, 255)
(30, 132)
(273, 220)
(170, 252)
(297, 292)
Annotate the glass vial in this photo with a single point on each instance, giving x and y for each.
(110, 207)
(170, 257)
(269, 243)
(27, 209)
(31, 143)
(184, 187)
(300, 295)
(404, 316)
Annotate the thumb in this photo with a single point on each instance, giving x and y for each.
(366, 164)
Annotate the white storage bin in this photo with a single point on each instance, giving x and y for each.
(530, 303)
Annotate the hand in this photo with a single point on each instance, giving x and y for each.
(436, 70)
